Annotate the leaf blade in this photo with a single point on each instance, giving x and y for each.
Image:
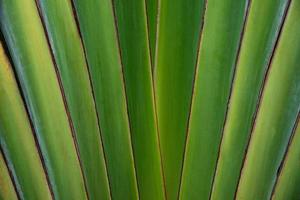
(15, 127)
(132, 32)
(7, 190)
(258, 45)
(152, 16)
(219, 47)
(34, 66)
(69, 56)
(288, 180)
(278, 110)
(175, 60)
(96, 19)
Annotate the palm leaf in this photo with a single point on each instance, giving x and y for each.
(134, 46)
(253, 62)
(176, 54)
(7, 190)
(153, 99)
(289, 179)
(277, 114)
(213, 78)
(27, 44)
(152, 17)
(98, 30)
(27, 167)
(70, 59)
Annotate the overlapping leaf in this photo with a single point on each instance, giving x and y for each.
(70, 59)
(276, 116)
(24, 34)
(134, 46)
(219, 47)
(179, 28)
(261, 31)
(97, 25)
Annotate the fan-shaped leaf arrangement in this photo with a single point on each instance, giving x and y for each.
(154, 99)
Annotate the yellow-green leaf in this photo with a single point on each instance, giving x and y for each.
(17, 139)
(261, 31)
(70, 59)
(277, 114)
(7, 190)
(24, 34)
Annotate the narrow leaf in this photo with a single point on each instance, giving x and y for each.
(152, 16)
(70, 59)
(287, 186)
(219, 45)
(134, 44)
(277, 114)
(180, 24)
(96, 19)
(15, 128)
(7, 190)
(23, 31)
(262, 29)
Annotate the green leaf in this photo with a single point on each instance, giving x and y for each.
(24, 34)
(152, 16)
(179, 27)
(277, 114)
(69, 56)
(96, 19)
(287, 186)
(262, 29)
(7, 190)
(219, 46)
(15, 127)
(134, 45)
